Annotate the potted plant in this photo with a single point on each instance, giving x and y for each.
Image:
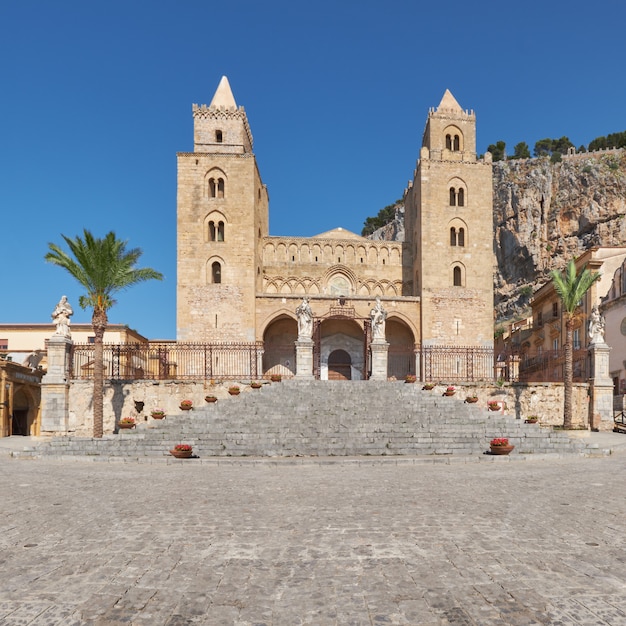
(500, 445)
(157, 414)
(255, 385)
(276, 378)
(182, 451)
(471, 399)
(186, 405)
(127, 422)
(531, 419)
(234, 390)
(429, 386)
(493, 405)
(450, 391)
(210, 398)
(410, 378)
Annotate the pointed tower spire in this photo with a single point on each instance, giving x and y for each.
(448, 103)
(223, 98)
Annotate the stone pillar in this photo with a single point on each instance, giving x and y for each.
(600, 388)
(55, 387)
(304, 358)
(379, 350)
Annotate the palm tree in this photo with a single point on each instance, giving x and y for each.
(571, 286)
(103, 267)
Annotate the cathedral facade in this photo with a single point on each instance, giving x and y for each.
(238, 284)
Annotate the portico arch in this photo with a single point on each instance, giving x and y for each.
(279, 337)
(401, 354)
(341, 349)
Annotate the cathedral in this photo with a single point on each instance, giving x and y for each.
(376, 308)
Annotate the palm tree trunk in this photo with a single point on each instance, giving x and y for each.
(99, 324)
(568, 378)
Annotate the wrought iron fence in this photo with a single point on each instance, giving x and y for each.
(199, 361)
(456, 363)
(545, 366)
(166, 361)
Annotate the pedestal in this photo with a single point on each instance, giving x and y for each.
(55, 387)
(600, 388)
(304, 359)
(379, 349)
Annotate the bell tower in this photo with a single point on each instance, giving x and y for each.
(449, 217)
(222, 216)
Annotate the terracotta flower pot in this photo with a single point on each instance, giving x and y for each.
(211, 399)
(124, 426)
(181, 454)
(158, 416)
(234, 392)
(501, 450)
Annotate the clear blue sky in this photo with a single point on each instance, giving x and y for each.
(96, 100)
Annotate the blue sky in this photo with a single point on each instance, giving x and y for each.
(96, 101)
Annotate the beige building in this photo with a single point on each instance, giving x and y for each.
(543, 344)
(18, 342)
(236, 283)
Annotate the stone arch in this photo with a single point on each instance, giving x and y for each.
(215, 226)
(453, 138)
(401, 353)
(346, 335)
(458, 232)
(338, 279)
(457, 192)
(458, 274)
(215, 183)
(24, 412)
(280, 333)
(212, 269)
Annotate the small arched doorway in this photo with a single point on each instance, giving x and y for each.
(339, 365)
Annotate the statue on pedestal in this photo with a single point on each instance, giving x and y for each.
(378, 315)
(305, 320)
(596, 326)
(61, 317)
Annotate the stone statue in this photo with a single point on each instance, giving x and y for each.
(305, 320)
(378, 315)
(33, 359)
(596, 326)
(61, 317)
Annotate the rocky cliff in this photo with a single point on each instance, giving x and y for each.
(544, 214)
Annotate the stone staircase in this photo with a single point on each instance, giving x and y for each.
(326, 418)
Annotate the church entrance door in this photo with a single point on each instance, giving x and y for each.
(339, 365)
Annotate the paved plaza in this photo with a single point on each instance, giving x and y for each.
(335, 541)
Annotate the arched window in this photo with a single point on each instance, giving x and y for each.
(211, 231)
(461, 197)
(452, 196)
(457, 277)
(448, 142)
(220, 187)
(212, 188)
(218, 136)
(461, 237)
(457, 143)
(453, 236)
(220, 231)
(216, 272)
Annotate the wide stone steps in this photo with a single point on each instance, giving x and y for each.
(326, 418)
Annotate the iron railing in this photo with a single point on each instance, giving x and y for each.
(167, 361)
(544, 366)
(212, 361)
(456, 363)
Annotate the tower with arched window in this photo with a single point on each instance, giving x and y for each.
(222, 210)
(448, 224)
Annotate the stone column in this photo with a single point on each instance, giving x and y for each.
(304, 358)
(600, 388)
(379, 350)
(55, 387)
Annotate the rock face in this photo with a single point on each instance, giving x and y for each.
(545, 214)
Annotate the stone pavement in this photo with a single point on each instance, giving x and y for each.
(313, 541)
